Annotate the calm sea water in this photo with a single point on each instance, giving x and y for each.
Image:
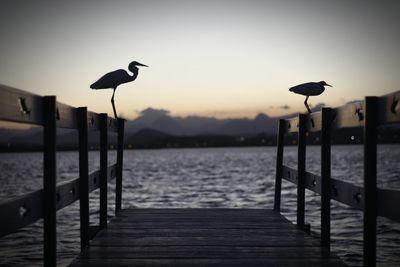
(201, 178)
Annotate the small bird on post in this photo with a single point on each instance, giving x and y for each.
(309, 89)
(113, 79)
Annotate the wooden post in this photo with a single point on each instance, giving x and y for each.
(370, 191)
(279, 164)
(301, 170)
(120, 154)
(83, 175)
(49, 181)
(103, 168)
(326, 177)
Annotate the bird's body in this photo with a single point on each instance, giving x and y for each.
(115, 78)
(309, 89)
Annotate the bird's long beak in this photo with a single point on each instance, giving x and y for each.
(140, 64)
(329, 85)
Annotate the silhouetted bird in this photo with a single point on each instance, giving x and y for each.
(115, 78)
(309, 89)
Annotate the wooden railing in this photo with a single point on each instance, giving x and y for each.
(24, 107)
(369, 115)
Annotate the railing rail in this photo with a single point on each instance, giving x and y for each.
(24, 107)
(368, 115)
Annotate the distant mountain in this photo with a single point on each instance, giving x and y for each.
(151, 124)
(157, 129)
(146, 138)
(160, 120)
(248, 127)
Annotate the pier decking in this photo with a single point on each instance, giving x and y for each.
(203, 237)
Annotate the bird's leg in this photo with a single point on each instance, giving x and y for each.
(305, 103)
(112, 102)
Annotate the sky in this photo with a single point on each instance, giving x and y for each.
(209, 58)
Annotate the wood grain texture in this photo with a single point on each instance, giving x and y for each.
(203, 237)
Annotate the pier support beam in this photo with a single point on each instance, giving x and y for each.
(301, 170)
(370, 190)
(49, 181)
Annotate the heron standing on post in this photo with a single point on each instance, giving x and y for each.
(117, 77)
(309, 89)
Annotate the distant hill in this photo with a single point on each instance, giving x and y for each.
(150, 127)
(156, 128)
(160, 120)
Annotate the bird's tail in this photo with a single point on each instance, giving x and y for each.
(291, 89)
(95, 86)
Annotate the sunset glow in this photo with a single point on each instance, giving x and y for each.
(212, 58)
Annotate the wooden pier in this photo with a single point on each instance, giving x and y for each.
(203, 237)
(199, 237)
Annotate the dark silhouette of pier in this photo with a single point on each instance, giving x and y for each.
(199, 237)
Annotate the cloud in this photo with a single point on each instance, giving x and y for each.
(285, 107)
(153, 112)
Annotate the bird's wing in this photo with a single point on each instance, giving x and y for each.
(299, 89)
(307, 89)
(111, 79)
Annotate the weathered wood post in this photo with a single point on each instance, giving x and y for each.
(103, 168)
(279, 164)
(49, 181)
(370, 190)
(120, 155)
(83, 175)
(326, 115)
(301, 170)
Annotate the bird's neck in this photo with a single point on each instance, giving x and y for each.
(135, 73)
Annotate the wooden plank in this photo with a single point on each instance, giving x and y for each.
(385, 200)
(27, 209)
(94, 177)
(123, 232)
(93, 121)
(389, 108)
(277, 241)
(112, 124)
(66, 116)
(20, 212)
(341, 191)
(200, 218)
(312, 123)
(203, 252)
(292, 125)
(349, 115)
(225, 237)
(67, 193)
(213, 211)
(352, 115)
(347, 193)
(222, 225)
(20, 106)
(209, 262)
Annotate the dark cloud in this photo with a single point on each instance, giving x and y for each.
(285, 107)
(154, 112)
